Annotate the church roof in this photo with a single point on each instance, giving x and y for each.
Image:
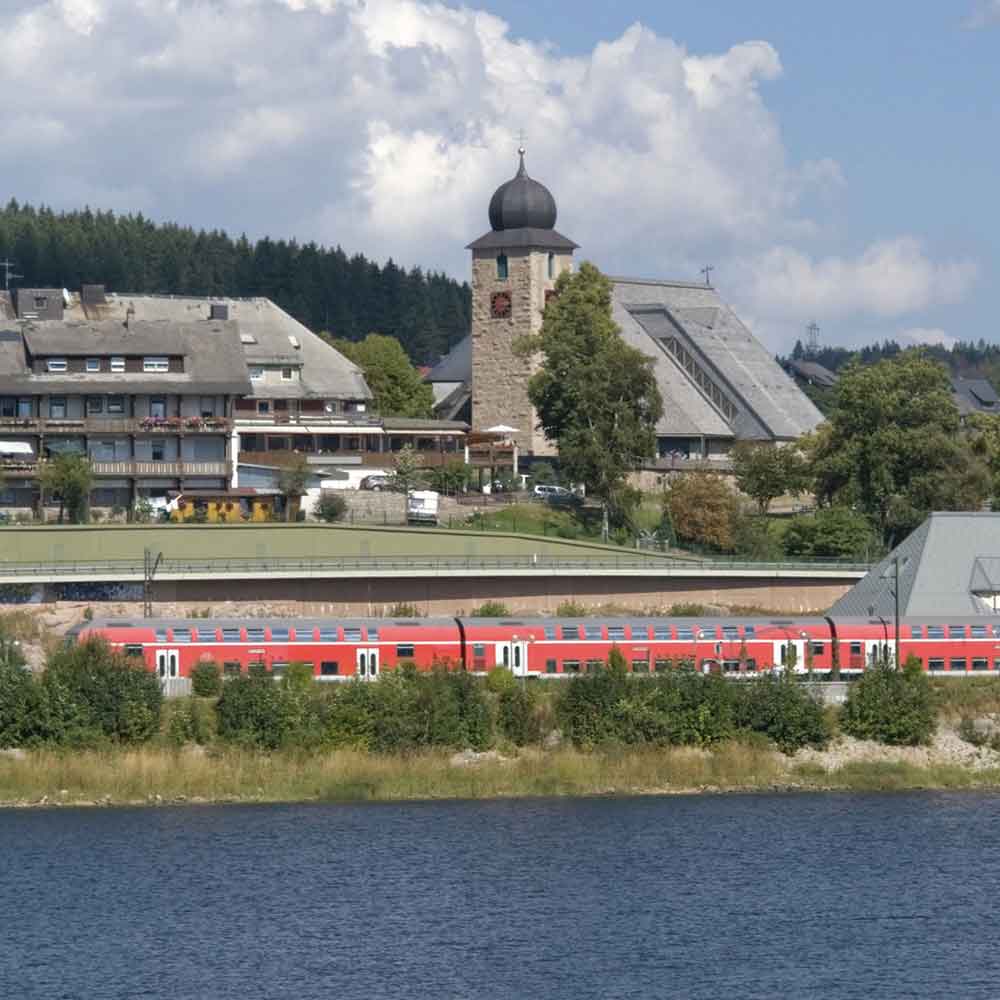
(455, 366)
(949, 566)
(523, 239)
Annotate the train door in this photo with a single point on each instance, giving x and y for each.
(513, 656)
(877, 650)
(167, 663)
(366, 663)
(786, 649)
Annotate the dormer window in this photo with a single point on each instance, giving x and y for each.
(155, 364)
(256, 373)
(502, 270)
(57, 364)
(93, 364)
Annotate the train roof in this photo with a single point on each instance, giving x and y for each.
(269, 622)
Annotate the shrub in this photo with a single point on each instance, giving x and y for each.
(782, 710)
(331, 507)
(255, 711)
(188, 722)
(21, 710)
(688, 610)
(499, 680)
(403, 610)
(206, 679)
(93, 693)
(891, 706)
(585, 708)
(571, 609)
(517, 718)
(491, 609)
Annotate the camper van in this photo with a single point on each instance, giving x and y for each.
(422, 507)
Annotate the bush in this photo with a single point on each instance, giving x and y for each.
(499, 680)
(255, 711)
(188, 721)
(517, 716)
(206, 679)
(830, 532)
(21, 710)
(781, 709)
(491, 609)
(891, 706)
(571, 609)
(331, 507)
(403, 610)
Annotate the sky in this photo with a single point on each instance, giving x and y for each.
(833, 163)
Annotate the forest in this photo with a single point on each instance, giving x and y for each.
(345, 296)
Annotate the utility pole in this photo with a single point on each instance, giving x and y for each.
(707, 271)
(149, 567)
(812, 339)
(8, 272)
(895, 574)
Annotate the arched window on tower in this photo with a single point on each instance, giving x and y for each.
(552, 266)
(502, 266)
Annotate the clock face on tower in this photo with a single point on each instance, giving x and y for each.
(500, 305)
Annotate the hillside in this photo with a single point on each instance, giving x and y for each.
(327, 290)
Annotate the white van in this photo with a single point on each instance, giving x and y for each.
(544, 492)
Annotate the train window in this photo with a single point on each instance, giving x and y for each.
(278, 668)
(935, 631)
(616, 632)
(280, 633)
(570, 631)
(731, 666)
(978, 631)
(639, 631)
(996, 631)
(372, 633)
(730, 633)
(182, 635)
(684, 632)
(230, 635)
(161, 635)
(206, 634)
(817, 648)
(571, 666)
(956, 631)
(550, 666)
(935, 664)
(751, 664)
(327, 635)
(352, 634)
(855, 649)
(916, 632)
(661, 633)
(405, 651)
(550, 631)
(329, 668)
(640, 666)
(996, 664)
(956, 663)
(663, 665)
(255, 633)
(133, 649)
(257, 668)
(980, 663)
(592, 632)
(231, 667)
(749, 631)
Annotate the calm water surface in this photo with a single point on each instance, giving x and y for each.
(739, 896)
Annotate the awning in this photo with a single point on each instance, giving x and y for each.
(18, 448)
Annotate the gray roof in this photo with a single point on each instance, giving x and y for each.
(813, 371)
(974, 395)
(769, 405)
(949, 566)
(455, 366)
(528, 238)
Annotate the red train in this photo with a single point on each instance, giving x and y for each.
(343, 649)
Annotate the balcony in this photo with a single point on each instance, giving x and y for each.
(116, 425)
(28, 469)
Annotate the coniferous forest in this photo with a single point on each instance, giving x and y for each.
(326, 289)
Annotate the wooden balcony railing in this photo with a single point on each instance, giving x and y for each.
(29, 469)
(116, 425)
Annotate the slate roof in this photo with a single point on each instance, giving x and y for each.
(947, 566)
(527, 238)
(455, 366)
(813, 371)
(974, 395)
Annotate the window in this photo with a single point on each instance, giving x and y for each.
(730, 633)
(231, 667)
(552, 265)
(230, 635)
(571, 666)
(263, 406)
(41, 301)
(95, 404)
(550, 631)
(279, 633)
(207, 407)
(661, 633)
(57, 407)
(24, 408)
(956, 664)
(592, 633)
(502, 269)
(255, 633)
(133, 649)
(57, 364)
(980, 663)
(161, 635)
(616, 633)
(935, 631)
(996, 664)
(182, 635)
(478, 656)
(686, 360)
(662, 666)
(118, 364)
(855, 649)
(93, 364)
(158, 407)
(817, 648)
(155, 364)
(328, 635)
(640, 666)
(7, 406)
(256, 373)
(247, 338)
(749, 631)
(116, 405)
(594, 665)
(329, 668)
(352, 634)
(956, 631)
(685, 633)
(206, 634)
(404, 651)
(978, 631)
(372, 634)
(916, 631)
(286, 374)
(278, 668)
(640, 631)
(551, 667)
(158, 451)
(570, 631)
(935, 664)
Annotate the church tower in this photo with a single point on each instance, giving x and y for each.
(514, 270)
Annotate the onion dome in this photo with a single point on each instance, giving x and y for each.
(522, 203)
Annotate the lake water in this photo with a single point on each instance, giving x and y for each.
(801, 896)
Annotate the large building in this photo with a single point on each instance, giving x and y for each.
(719, 384)
(170, 394)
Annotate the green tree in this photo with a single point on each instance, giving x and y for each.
(891, 706)
(397, 387)
(407, 472)
(449, 478)
(293, 481)
(70, 477)
(831, 532)
(702, 509)
(766, 471)
(595, 396)
(893, 448)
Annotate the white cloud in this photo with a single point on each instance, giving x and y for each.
(985, 13)
(925, 335)
(385, 125)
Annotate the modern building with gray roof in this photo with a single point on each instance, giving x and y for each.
(949, 566)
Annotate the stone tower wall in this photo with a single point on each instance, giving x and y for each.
(499, 375)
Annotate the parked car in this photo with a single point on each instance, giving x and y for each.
(376, 482)
(545, 491)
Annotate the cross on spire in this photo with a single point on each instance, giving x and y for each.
(707, 271)
(520, 141)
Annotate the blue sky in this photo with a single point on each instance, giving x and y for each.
(834, 163)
